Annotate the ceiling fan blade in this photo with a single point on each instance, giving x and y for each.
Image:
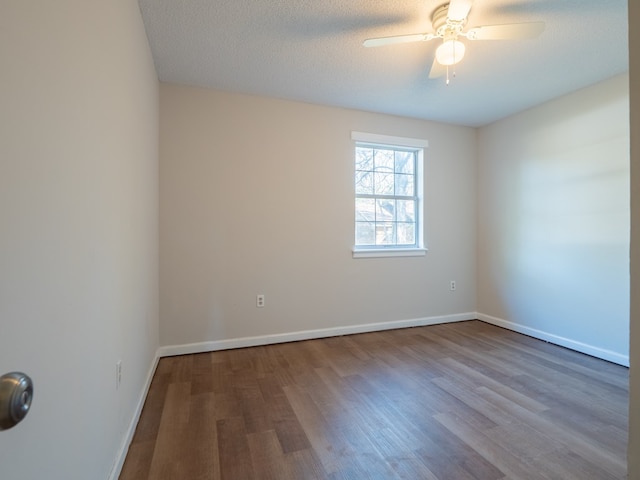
(378, 42)
(437, 70)
(506, 32)
(459, 9)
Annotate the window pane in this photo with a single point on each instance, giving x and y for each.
(405, 210)
(385, 233)
(406, 234)
(404, 185)
(383, 160)
(365, 210)
(365, 233)
(385, 210)
(364, 182)
(386, 172)
(405, 162)
(364, 158)
(384, 183)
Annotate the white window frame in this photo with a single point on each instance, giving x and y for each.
(376, 140)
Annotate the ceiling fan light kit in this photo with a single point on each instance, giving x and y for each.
(448, 22)
(450, 52)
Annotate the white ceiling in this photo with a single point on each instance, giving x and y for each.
(312, 51)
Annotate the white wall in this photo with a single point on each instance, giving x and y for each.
(79, 220)
(553, 220)
(256, 196)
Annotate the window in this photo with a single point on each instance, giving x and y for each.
(388, 195)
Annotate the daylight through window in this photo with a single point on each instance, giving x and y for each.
(387, 201)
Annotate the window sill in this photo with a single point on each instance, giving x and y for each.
(388, 252)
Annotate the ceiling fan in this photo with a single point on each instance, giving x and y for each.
(449, 21)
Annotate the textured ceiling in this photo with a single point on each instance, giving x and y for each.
(312, 51)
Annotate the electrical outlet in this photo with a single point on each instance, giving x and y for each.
(452, 286)
(118, 373)
(260, 301)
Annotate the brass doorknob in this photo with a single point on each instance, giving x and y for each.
(16, 393)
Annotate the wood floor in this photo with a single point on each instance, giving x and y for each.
(457, 401)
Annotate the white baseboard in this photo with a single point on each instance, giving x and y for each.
(215, 345)
(597, 352)
(200, 347)
(126, 441)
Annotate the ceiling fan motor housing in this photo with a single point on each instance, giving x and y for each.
(444, 26)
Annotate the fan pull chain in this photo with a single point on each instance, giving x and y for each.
(453, 75)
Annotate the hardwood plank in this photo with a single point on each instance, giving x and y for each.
(567, 465)
(201, 440)
(180, 368)
(268, 458)
(149, 423)
(450, 457)
(202, 380)
(523, 441)
(588, 446)
(226, 405)
(167, 462)
(233, 450)
(288, 429)
(462, 401)
(324, 442)
(305, 465)
(471, 380)
(138, 461)
(512, 466)
(398, 453)
(254, 408)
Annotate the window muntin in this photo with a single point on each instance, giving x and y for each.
(387, 201)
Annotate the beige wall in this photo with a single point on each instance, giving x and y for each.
(634, 401)
(257, 198)
(78, 212)
(553, 220)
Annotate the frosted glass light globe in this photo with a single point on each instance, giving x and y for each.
(450, 52)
